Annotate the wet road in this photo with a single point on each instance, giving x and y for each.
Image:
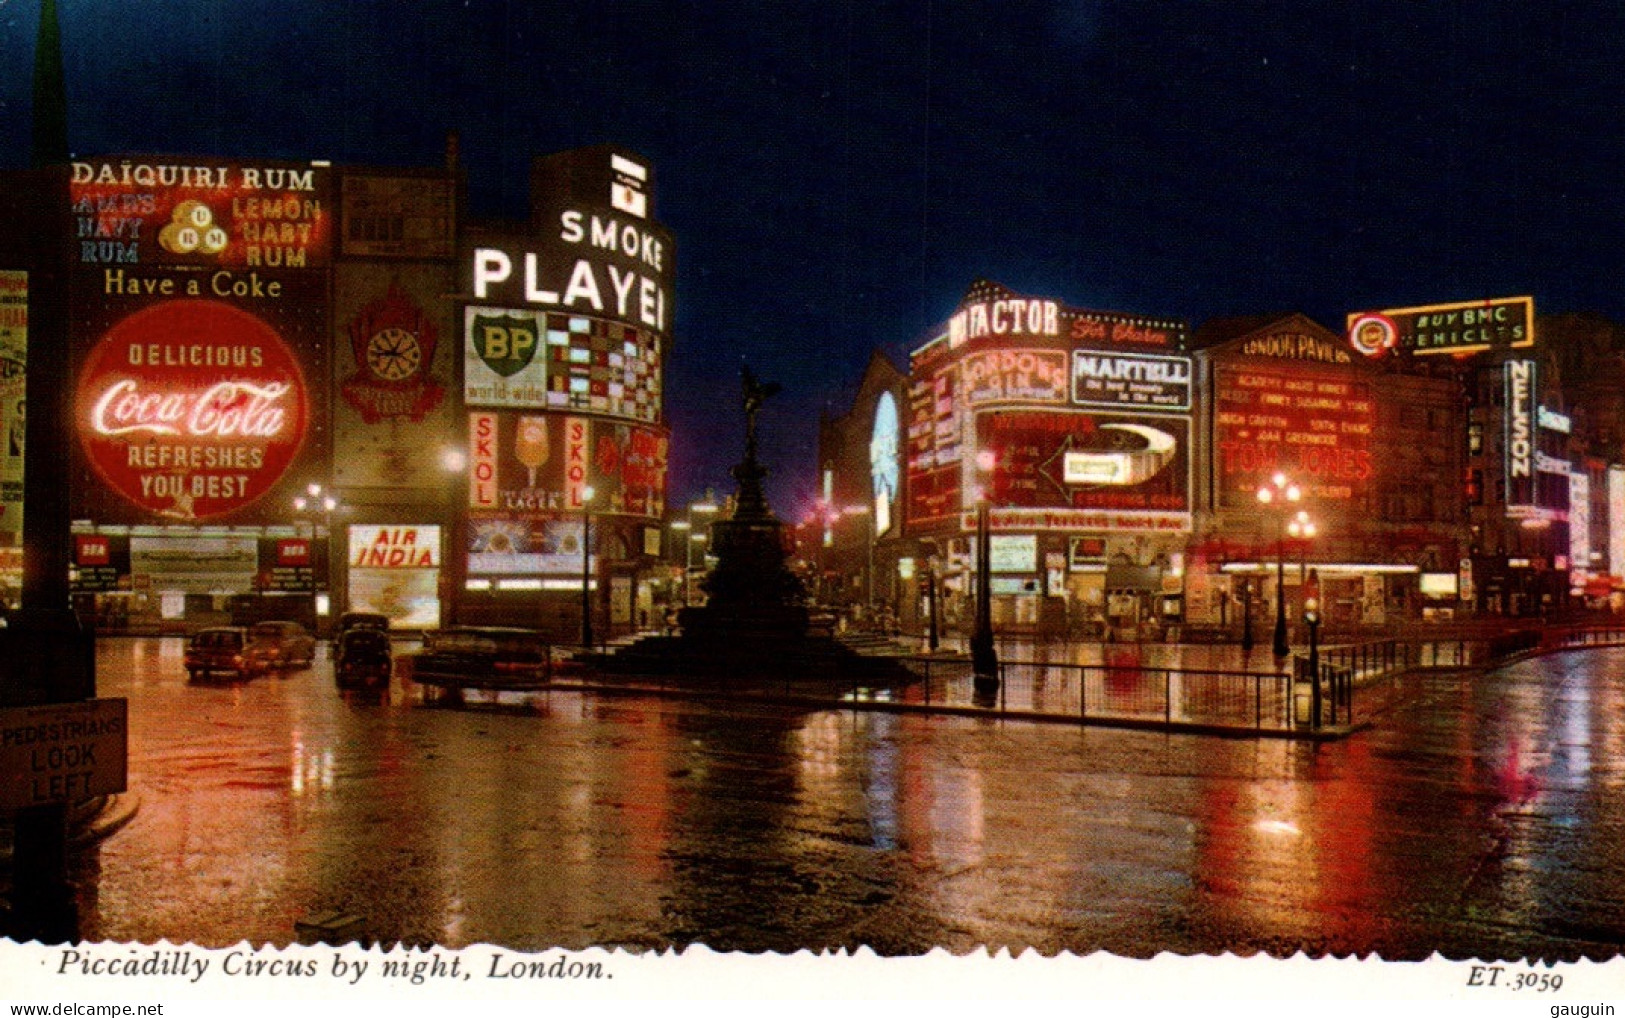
(1487, 818)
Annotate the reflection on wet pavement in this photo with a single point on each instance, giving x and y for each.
(1483, 818)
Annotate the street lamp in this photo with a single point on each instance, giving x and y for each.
(1246, 614)
(682, 527)
(587, 494)
(313, 505)
(1311, 617)
(984, 657)
(1302, 528)
(694, 541)
(928, 551)
(1280, 493)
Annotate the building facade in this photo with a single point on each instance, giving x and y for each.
(302, 389)
(1442, 464)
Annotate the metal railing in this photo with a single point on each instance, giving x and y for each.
(1193, 696)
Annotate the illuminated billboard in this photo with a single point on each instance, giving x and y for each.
(146, 211)
(536, 360)
(1616, 521)
(1134, 467)
(542, 463)
(935, 441)
(587, 263)
(1520, 434)
(514, 545)
(1466, 327)
(1114, 380)
(992, 315)
(883, 473)
(13, 366)
(1315, 426)
(200, 336)
(192, 409)
(394, 546)
(1017, 375)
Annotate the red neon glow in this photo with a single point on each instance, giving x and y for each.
(192, 408)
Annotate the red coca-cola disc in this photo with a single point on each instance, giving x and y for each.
(192, 409)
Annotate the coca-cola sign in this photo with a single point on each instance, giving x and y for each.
(192, 409)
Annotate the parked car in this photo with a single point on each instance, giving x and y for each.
(475, 657)
(221, 649)
(362, 659)
(361, 620)
(281, 645)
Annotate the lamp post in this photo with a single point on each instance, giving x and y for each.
(453, 534)
(684, 528)
(314, 504)
(1302, 528)
(587, 494)
(694, 541)
(1246, 615)
(928, 551)
(1280, 493)
(984, 657)
(1311, 617)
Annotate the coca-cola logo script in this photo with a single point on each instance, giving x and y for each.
(192, 408)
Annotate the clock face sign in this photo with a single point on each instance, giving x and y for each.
(394, 354)
(393, 343)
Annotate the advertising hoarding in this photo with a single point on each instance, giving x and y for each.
(195, 564)
(994, 313)
(1501, 323)
(1314, 426)
(151, 211)
(1580, 524)
(883, 471)
(13, 365)
(541, 463)
(526, 359)
(1013, 553)
(192, 409)
(1136, 467)
(394, 571)
(1018, 375)
(536, 545)
(1112, 380)
(585, 262)
(1520, 434)
(200, 347)
(393, 349)
(1616, 521)
(394, 546)
(935, 425)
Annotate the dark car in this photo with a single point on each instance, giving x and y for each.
(480, 657)
(362, 659)
(281, 645)
(362, 620)
(221, 650)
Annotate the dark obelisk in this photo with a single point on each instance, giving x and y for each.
(48, 656)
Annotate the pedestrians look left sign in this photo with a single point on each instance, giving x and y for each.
(62, 752)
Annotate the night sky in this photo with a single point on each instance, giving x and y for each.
(836, 173)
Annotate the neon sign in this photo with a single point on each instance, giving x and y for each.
(1520, 388)
(192, 408)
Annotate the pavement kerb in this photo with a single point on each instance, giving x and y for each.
(1325, 733)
